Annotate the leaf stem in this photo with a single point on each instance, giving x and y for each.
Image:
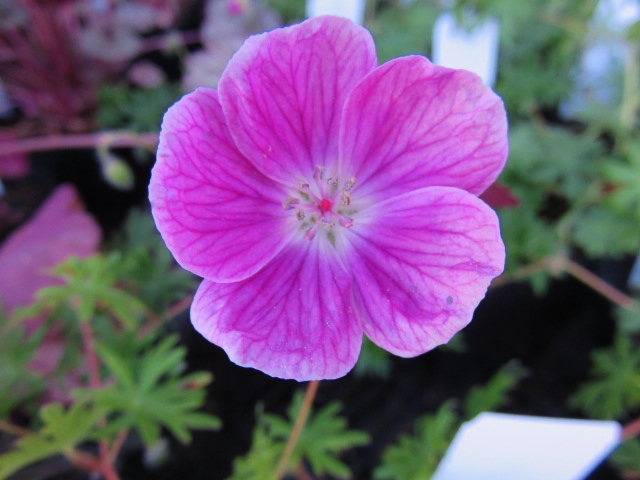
(560, 263)
(596, 283)
(106, 468)
(301, 419)
(110, 139)
(12, 429)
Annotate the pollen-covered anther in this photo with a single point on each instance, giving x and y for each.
(300, 215)
(290, 203)
(349, 184)
(332, 181)
(318, 174)
(345, 222)
(345, 198)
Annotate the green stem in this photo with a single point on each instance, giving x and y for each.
(301, 419)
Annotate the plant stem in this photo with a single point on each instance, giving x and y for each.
(12, 429)
(596, 283)
(91, 358)
(559, 263)
(112, 139)
(301, 419)
(106, 468)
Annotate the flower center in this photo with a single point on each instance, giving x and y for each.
(325, 206)
(322, 203)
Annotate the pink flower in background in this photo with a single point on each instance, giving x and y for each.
(59, 229)
(322, 198)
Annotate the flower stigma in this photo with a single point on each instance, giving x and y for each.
(322, 204)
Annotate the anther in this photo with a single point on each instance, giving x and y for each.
(318, 173)
(289, 203)
(349, 184)
(327, 223)
(309, 234)
(300, 214)
(304, 185)
(332, 181)
(345, 222)
(346, 199)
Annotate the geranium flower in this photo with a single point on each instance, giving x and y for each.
(322, 197)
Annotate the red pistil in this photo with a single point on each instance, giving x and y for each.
(325, 206)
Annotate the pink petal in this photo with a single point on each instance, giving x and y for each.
(411, 124)
(59, 229)
(424, 262)
(283, 92)
(218, 215)
(292, 319)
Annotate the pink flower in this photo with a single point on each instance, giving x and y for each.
(322, 198)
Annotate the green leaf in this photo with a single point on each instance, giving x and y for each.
(18, 386)
(417, 457)
(373, 361)
(492, 395)
(626, 458)
(614, 387)
(150, 392)
(61, 431)
(324, 437)
(123, 107)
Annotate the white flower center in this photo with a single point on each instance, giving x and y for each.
(322, 203)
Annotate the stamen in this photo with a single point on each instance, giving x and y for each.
(327, 223)
(309, 234)
(346, 199)
(332, 181)
(289, 203)
(300, 214)
(318, 174)
(349, 184)
(345, 222)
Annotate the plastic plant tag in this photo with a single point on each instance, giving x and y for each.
(351, 9)
(475, 50)
(496, 446)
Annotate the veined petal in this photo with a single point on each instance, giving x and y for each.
(411, 124)
(424, 261)
(293, 319)
(283, 92)
(219, 216)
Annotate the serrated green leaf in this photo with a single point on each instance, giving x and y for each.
(116, 365)
(150, 392)
(492, 394)
(61, 431)
(417, 457)
(614, 387)
(324, 437)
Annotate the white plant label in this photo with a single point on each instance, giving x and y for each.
(475, 50)
(352, 9)
(496, 446)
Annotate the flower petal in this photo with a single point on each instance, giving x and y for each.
(425, 260)
(411, 124)
(292, 319)
(218, 215)
(283, 92)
